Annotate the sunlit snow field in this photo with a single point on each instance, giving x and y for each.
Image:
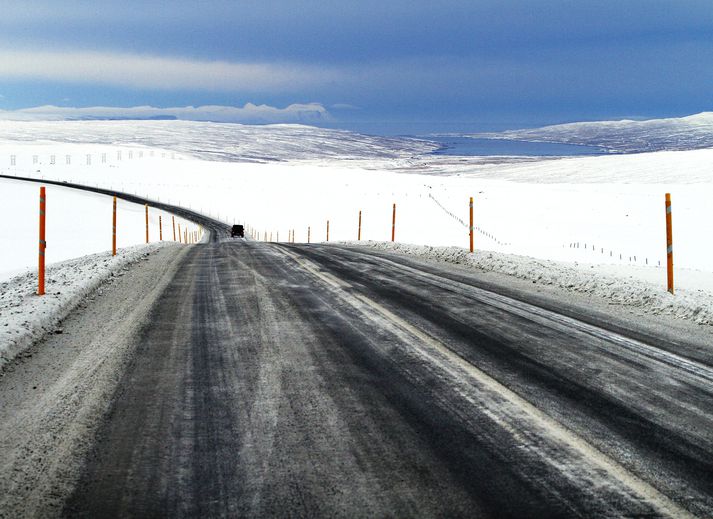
(78, 223)
(599, 210)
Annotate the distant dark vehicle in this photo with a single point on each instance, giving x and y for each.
(238, 231)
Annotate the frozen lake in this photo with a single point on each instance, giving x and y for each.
(465, 146)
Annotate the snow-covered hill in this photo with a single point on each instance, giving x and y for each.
(626, 136)
(219, 141)
(603, 211)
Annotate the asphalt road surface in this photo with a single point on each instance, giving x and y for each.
(322, 381)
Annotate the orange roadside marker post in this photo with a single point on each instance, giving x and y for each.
(393, 224)
(160, 229)
(147, 222)
(669, 243)
(327, 230)
(173, 221)
(359, 232)
(113, 230)
(43, 244)
(471, 224)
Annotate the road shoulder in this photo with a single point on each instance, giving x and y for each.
(53, 396)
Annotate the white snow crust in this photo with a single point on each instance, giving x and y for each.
(25, 317)
(618, 286)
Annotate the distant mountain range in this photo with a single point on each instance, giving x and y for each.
(626, 136)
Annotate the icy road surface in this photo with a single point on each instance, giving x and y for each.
(255, 379)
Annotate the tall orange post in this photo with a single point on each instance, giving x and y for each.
(113, 230)
(160, 229)
(471, 224)
(327, 230)
(43, 244)
(393, 224)
(309, 234)
(359, 233)
(146, 206)
(669, 243)
(173, 221)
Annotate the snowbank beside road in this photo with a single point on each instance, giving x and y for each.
(623, 288)
(25, 317)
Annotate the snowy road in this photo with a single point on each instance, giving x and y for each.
(277, 380)
(255, 379)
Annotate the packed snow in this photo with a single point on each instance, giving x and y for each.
(26, 317)
(621, 286)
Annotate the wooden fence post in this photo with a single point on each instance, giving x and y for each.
(393, 224)
(173, 221)
(147, 222)
(327, 230)
(359, 233)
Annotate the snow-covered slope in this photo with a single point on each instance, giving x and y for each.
(219, 142)
(626, 136)
(603, 211)
(78, 223)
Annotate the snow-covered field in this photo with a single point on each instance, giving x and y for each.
(605, 212)
(78, 223)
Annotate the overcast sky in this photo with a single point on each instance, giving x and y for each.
(384, 66)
